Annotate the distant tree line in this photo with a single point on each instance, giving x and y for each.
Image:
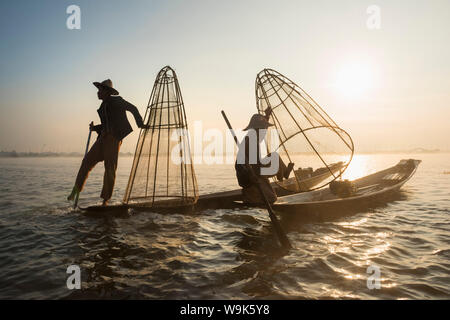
(14, 154)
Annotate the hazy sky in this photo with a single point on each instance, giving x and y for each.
(401, 100)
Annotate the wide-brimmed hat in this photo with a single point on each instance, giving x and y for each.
(108, 85)
(258, 121)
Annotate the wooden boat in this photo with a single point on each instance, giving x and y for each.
(98, 211)
(227, 199)
(369, 190)
(123, 209)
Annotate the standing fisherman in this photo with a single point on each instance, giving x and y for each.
(113, 128)
(257, 130)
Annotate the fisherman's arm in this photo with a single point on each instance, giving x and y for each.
(137, 117)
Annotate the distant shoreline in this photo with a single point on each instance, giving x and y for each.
(14, 154)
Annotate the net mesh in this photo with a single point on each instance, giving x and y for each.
(303, 129)
(162, 174)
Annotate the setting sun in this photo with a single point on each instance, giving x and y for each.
(353, 80)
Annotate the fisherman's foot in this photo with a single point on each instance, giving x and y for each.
(290, 167)
(73, 194)
(105, 203)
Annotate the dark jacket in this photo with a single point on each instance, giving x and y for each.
(113, 117)
(243, 174)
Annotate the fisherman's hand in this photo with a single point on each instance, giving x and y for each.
(96, 128)
(268, 112)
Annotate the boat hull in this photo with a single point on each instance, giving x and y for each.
(227, 199)
(372, 190)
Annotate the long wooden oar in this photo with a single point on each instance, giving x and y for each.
(85, 152)
(276, 224)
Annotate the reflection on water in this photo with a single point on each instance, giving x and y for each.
(359, 167)
(228, 253)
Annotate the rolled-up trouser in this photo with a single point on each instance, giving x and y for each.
(106, 149)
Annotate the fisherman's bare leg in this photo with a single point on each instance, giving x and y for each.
(111, 148)
(93, 157)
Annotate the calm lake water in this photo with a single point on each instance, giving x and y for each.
(219, 254)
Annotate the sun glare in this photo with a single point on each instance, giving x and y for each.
(357, 168)
(354, 80)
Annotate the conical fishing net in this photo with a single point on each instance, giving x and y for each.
(308, 137)
(163, 174)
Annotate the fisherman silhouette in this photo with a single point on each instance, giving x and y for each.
(113, 129)
(257, 128)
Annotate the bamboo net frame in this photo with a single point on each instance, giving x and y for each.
(163, 174)
(300, 121)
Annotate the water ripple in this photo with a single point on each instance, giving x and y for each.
(220, 254)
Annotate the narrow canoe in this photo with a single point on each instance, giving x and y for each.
(370, 190)
(227, 199)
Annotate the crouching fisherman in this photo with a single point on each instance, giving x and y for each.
(113, 128)
(264, 168)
